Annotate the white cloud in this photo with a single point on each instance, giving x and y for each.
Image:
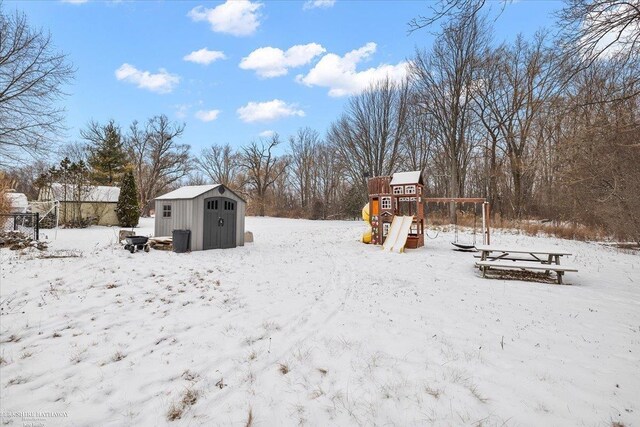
(75, 1)
(207, 115)
(236, 17)
(339, 74)
(267, 111)
(313, 4)
(204, 56)
(267, 133)
(182, 110)
(161, 82)
(273, 62)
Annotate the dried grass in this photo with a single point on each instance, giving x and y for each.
(118, 356)
(283, 368)
(18, 380)
(177, 409)
(5, 186)
(530, 227)
(190, 397)
(175, 412)
(13, 338)
(433, 392)
(474, 391)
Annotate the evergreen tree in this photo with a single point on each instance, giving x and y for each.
(107, 155)
(127, 209)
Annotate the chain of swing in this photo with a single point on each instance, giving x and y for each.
(456, 241)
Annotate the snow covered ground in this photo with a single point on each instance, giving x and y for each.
(309, 326)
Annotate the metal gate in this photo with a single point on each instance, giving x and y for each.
(27, 223)
(219, 223)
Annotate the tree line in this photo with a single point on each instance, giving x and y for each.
(545, 127)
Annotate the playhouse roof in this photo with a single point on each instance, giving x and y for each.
(191, 192)
(401, 178)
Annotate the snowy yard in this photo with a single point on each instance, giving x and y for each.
(309, 326)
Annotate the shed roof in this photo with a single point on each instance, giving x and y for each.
(187, 192)
(191, 192)
(401, 178)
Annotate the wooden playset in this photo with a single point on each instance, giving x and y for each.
(397, 195)
(396, 212)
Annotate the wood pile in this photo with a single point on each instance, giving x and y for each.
(161, 243)
(15, 240)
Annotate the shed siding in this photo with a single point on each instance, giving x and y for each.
(240, 222)
(188, 214)
(198, 221)
(181, 217)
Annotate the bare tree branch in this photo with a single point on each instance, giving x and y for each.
(32, 77)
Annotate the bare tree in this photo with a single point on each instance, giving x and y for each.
(158, 159)
(594, 30)
(32, 77)
(281, 198)
(462, 10)
(75, 151)
(24, 178)
(369, 136)
(521, 79)
(262, 168)
(600, 176)
(220, 164)
(444, 82)
(330, 175)
(492, 143)
(303, 146)
(418, 145)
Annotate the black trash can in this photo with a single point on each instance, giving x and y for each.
(181, 240)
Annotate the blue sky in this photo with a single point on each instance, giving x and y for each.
(235, 71)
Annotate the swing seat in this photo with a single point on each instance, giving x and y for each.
(470, 247)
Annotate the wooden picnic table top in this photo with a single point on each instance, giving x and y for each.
(542, 251)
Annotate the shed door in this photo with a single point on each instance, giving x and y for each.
(219, 223)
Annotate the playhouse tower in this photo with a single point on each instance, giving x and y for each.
(400, 194)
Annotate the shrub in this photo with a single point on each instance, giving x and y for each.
(128, 210)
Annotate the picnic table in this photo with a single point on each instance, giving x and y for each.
(503, 257)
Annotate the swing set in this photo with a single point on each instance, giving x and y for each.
(486, 235)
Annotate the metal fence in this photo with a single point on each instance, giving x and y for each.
(27, 223)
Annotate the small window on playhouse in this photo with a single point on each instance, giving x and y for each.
(410, 189)
(166, 211)
(385, 228)
(386, 203)
(398, 190)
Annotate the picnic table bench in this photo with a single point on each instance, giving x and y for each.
(500, 257)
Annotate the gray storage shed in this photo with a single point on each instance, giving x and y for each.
(213, 213)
